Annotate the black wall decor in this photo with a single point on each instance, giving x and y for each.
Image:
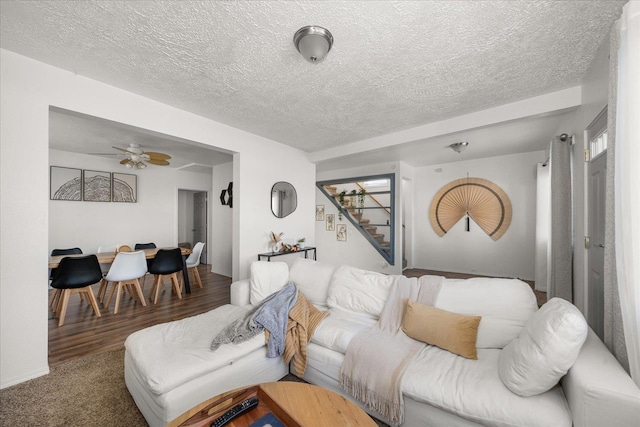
(226, 197)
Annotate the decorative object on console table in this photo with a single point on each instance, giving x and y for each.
(124, 187)
(65, 184)
(301, 242)
(96, 186)
(275, 241)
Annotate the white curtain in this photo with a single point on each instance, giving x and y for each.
(560, 252)
(543, 228)
(627, 182)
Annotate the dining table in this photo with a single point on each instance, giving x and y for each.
(108, 257)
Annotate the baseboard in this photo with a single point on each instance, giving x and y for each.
(21, 379)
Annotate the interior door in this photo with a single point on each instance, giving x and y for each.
(596, 211)
(200, 222)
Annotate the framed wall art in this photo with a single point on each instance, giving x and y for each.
(320, 213)
(65, 183)
(341, 233)
(124, 187)
(96, 186)
(331, 222)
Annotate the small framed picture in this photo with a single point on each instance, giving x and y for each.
(341, 233)
(319, 212)
(124, 187)
(65, 184)
(96, 186)
(331, 222)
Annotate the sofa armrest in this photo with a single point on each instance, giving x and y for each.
(599, 391)
(240, 292)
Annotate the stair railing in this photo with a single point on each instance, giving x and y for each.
(388, 253)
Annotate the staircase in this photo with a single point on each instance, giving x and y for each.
(356, 208)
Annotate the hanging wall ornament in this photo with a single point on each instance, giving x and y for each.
(479, 199)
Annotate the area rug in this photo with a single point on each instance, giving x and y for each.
(89, 391)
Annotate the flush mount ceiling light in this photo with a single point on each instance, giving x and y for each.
(313, 42)
(458, 147)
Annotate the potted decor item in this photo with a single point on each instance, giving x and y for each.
(341, 201)
(361, 194)
(301, 242)
(275, 241)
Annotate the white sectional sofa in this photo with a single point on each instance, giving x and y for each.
(169, 368)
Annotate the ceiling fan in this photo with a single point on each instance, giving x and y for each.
(137, 158)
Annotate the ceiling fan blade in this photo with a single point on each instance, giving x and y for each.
(158, 162)
(122, 149)
(124, 161)
(157, 156)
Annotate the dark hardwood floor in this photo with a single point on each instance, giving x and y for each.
(83, 333)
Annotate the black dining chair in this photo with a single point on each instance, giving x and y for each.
(167, 262)
(76, 275)
(55, 252)
(149, 261)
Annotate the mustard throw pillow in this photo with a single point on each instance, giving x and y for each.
(449, 331)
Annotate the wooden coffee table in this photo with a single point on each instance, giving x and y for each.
(296, 404)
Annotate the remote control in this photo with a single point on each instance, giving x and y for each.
(239, 409)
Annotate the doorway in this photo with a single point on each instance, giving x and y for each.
(200, 222)
(596, 137)
(193, 224)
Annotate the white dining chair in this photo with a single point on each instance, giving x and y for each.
(126, 269)
(193, 261)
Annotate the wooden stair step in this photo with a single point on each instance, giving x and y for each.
(331, 191)
(370, 228)
(385, 244)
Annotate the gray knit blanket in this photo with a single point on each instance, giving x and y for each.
(272, 314)
(377, 358)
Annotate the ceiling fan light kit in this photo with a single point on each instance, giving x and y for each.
(313, 42)
(137, 158)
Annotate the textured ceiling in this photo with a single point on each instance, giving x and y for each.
(394, 65)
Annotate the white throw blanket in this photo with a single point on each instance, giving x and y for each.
(377, 357)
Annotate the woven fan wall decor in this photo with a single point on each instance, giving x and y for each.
(485, 202)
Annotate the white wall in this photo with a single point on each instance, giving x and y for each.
(154, 218)
(357, 251)
(474, 252)
(29, 88)
(220, 245)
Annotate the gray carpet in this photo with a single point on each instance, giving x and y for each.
(84, 392)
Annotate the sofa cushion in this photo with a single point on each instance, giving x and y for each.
(267, 278)
(359, 291)
(171, 354)
(504, 304)
(472, 390)
(547, 347)
(312, 279)
(337, 329)
(449, 331)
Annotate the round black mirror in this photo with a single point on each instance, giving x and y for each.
(284, 199)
